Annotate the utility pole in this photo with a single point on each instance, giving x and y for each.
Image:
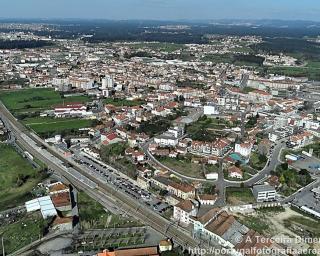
(2, 243)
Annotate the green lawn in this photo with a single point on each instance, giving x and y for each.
(93, 215)
(17, 178)
(239, 195)
(36, 99)
(22, 233)
(183, 166)
(49, 126)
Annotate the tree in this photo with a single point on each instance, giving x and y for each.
(284, 166)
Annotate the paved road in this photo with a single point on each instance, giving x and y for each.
(132, 207)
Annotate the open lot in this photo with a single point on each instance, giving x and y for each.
(237, 196)
(17, 178)
(277, 222)
(183, 166)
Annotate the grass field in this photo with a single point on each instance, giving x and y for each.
(49, 126)
(123, 102)
(239, 196)
(37, 99)
(17, 178)
(183, 166)
(93, 215)
(22, 233)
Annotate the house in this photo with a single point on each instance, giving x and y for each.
(302, 139)
(57, 187)
(235, 172)
(264, 147)
(61, 201)
(182, 190)
(184, 210)
(145, 251)
(219, 226)
(217, 148)
(165, 245)
(264, 193)
(70, 109)
(166, 139)
(109, 138)
(138, 157)
(120, 119)
(207, 199)
(259, 96)
(243, 149)
(62, 223)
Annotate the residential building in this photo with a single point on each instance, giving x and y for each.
(264, 193)
(184, 210)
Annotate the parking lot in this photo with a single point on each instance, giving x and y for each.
(111, 176)
(311, 164)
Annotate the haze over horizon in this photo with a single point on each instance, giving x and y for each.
(162, 9)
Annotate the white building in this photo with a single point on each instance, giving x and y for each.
(264, 193)
(166, 139)
(184, 210)
(244, 149)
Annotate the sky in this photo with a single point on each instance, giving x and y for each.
(162, 9)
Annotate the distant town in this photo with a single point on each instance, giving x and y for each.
(150, 147)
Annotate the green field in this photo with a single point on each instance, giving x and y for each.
(46, 126)
(17, 178)
(123, 102)
(239, 196)
(33, 100)
(23, 232)
(93, 215)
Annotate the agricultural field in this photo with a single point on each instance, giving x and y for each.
(17, 178)
(93, 215)
(23, 232)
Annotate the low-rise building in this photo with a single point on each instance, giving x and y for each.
(264, 193)
(184, 210)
